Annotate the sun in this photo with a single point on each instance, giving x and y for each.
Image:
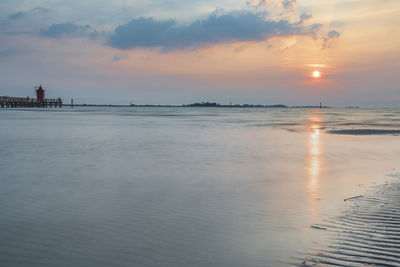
(316, 74)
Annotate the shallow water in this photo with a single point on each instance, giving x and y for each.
(182, 186)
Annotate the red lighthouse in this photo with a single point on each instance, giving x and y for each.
(40, 94)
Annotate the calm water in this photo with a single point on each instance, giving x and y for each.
(182, 186)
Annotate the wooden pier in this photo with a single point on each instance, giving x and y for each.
(26, 102)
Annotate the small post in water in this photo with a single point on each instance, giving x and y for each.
(72, 102)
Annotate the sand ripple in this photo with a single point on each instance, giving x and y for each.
(368, 233)
(365, 132)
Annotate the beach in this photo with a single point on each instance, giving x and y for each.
(366, 233)
(187, 186)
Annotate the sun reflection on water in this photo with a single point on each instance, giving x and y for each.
(314, 154)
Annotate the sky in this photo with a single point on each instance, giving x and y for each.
(180, 52)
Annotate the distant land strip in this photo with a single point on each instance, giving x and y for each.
(202, 104)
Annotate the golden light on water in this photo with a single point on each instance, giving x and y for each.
(314, 141)
(313, 167)
(314, 154)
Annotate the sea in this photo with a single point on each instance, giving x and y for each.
(186, 186)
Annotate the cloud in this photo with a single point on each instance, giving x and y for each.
(259, 3)
(65, 29)
(41, 10)
(329, 37)
(9, 52)
(289, 4)
(150, 33)
(305, 17)
(17, 15)
(118, 57)
(333, 34)
(314, 29)
(22, 14)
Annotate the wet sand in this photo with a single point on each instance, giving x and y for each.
(366, 233)
(365, 132)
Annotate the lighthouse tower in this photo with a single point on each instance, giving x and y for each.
(40, 94)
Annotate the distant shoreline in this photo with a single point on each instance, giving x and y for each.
(201, 105)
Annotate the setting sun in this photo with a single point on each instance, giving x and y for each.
(316, 74)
